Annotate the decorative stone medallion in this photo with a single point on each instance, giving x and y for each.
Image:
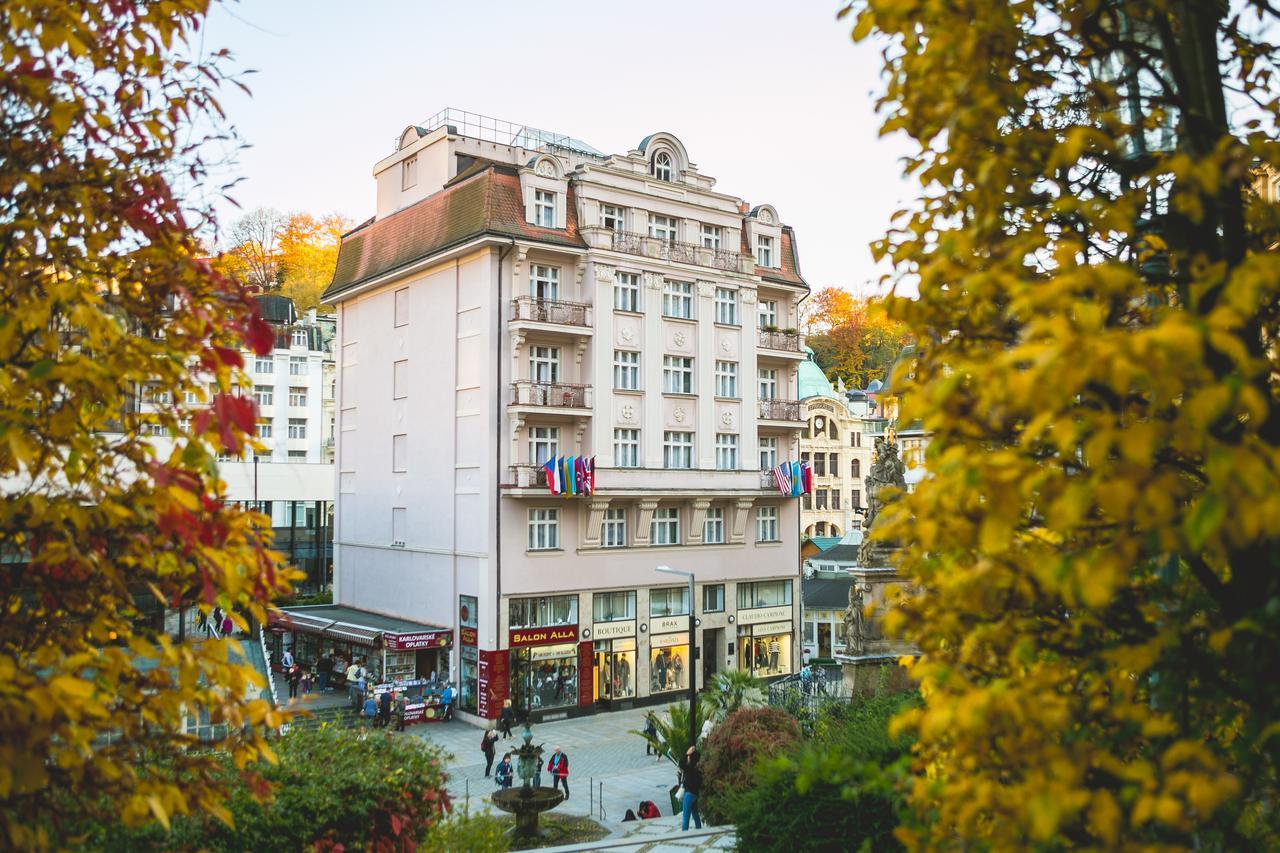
(679, 338)
(679, 415)
(628, 412)
(726, 417)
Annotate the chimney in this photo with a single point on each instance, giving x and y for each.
(744, 208)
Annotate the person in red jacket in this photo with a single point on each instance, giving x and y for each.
(558, 767)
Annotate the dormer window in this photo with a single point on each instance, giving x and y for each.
(409, 173)
(662, 166)
(544, 208)
(611, 217)
(764, 251)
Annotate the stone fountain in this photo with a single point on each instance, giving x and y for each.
(528, 801)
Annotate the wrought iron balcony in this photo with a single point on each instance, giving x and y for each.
(528, 476)
(767, 481)
(536, 310)
(556, 395)
(779, 410)
(779, 340)
(636, 243)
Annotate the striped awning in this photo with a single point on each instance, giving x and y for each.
(353, 634)
(300, 621)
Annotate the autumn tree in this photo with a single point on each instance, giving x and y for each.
(112, 511)
(1098, 543)
(254, 253)
(852, 337)
(293, 253)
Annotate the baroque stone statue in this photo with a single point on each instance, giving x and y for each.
(855, 629)
(887, 471)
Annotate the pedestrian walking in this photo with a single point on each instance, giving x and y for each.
(370, 710)
(446, 699)
(295, 676)
(308, 678)
(203, 624)
(691, 781)
(506, 718)
(502, 775)
(384, 709)
(324, 667)
(487, 741)
(353, 672)
(217, 621)
(286, 659)
(558, 767)
(400, 703)
(227, 625)
(651, 735)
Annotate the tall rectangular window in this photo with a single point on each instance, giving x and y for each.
(819, 464)
(713, 526)
(713, 598)
(626, 370)
(613, 534)
(833, 460)
(855, 501)
(710, 236)
(855, 469)
(297, 427)
(544, 208)
(727, 451)
(264, 428)
(764, 251)
(626, 448)
(677, 299)
(264, 364)
(264, 395)
(768, 453)
(677, 374)
(614, 606)
(626, 291)
(835, 499)
(409, 173)
(669, 601)
(767, 313)
(544, 444)
(820, 498)
(402, 307)
(400, 453)
(612, 217)
(299, 338)
(297, 396)
(677, 449)
(662, 227)
(544, 529)
(727, 306)
(297, 365)
(763, 594)
(544, 282)
(665, 528)
(544, 364)
(768, 383)
(726, 379)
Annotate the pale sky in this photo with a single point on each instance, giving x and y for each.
(771, 99)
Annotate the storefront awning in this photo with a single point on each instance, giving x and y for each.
(353, 634)
(351, 625)
(300, 622)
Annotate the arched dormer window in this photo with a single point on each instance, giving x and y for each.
(662, 166)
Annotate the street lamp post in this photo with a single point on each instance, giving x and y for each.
(693, 657)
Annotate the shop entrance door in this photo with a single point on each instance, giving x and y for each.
(710, 651)
(824, 639)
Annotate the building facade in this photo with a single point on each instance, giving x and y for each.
(520, 297)
(835, 442)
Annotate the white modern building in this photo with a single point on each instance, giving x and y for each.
(521, 296)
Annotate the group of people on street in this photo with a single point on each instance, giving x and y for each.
(557, 765)
(381, 711)
(215, 624)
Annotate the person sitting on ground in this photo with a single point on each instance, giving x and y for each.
(630, 815)
(649, 809)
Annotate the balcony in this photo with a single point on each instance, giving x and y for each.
(528, 476)
(544, 396)
(779, 341)
(787, 411)
(636, 243)
(530, 309)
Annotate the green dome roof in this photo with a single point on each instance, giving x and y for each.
(813, 383)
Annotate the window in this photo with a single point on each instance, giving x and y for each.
(264, 395)
(677, 449)
(402, 307)
(726, 379)
(713, 598)
(544, 282)
(297, 427)
(544, 208)
(713, 527)
(626, 370)
(298, 455)
(544, 364)
(727, 306)
(400, 453)
(835, 498)
(767, 524)
(297, 365)
(626, 291)
(819, 464)
(855, 439)
(191, 396)
(669, 601)
(763, 594)
(710, 236)
(626, 448)
(662, 166)
(726, 451)
(855, 501)
(677, 300)
(768, 454)
(677, 374)
(613, 534)
(764, 251)
(833, 461)
(409, 173)
(820, 498)
(663, 228)
(264, 429)
(264, 365)
(545, 611)
(767, 311)
(299, 338)
(400, 379)
(612, 217)
(768, 383)
(544, 444)
(807, 501)
(297, 396)
(544, 529)
(614, 606)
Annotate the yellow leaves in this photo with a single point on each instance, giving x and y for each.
(1105, 817)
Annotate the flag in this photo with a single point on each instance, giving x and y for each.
(808, 477)
(589, 476)
(782, 477)
(566, 472)
(797, 480)
(579, 475)
(550, 467)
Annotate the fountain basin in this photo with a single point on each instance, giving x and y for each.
(526, 803)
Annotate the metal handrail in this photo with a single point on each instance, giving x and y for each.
(779, 410)
(554, 394)
(538, 310)
(634, 242)
(779, 340)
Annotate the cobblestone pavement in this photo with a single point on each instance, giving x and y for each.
(606, 763)
(653, 836)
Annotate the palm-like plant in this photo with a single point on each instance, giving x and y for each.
(672, 738)
(730, 690)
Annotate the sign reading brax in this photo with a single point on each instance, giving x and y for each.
(543, 636)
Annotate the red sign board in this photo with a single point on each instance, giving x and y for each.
(521, 637)
(586, 664)
(469, 636)
(421, 640)
(493, 684)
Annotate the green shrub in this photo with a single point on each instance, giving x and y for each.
(731, 750)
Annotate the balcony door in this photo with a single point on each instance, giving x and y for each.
(544, 364)
(545, 283)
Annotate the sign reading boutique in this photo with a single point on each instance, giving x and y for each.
(522, 637)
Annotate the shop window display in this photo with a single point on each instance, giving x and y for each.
(765, 655)
(668, 663)
(547, 611)
(615, 669)
(545, 677)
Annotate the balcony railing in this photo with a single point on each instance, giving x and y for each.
(549, 311)
(528, 476)
(767, 481)
(774, 339)
(636, 243)
(558, 395)
(779, 410)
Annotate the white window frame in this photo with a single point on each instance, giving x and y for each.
(544, 364)
(664, 228)
(767, 313)
(264, 395)
(677, 449)
(613, 217)
(626, 448)
(298, 428)
(764, 250)
(613, 530)
(726, 451)
(297, 396)
(767, 524)
(626, 291)
(544, 282)
(727, 306)
(713, 526)
(544, 208)
(265, 428)
(298, 365)
(727, 379)
(711, 235)
(299, 338)
(665, 527)
(663, 166)
(544, 444)
(768, 452)
(544, 529)
(677, 374)
(264, 364)
(768, 380)
(677, 299)
(626, 370)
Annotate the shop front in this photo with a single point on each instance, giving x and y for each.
(765, 647)
(614, 662)
(669, 663)
(468, 654)
(544, 668)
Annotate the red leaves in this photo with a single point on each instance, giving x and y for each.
(258, 335)
(228, 356)
(231, 413)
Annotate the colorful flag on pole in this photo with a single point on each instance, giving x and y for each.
(551, 466)
(589, 476)
(782, 478)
